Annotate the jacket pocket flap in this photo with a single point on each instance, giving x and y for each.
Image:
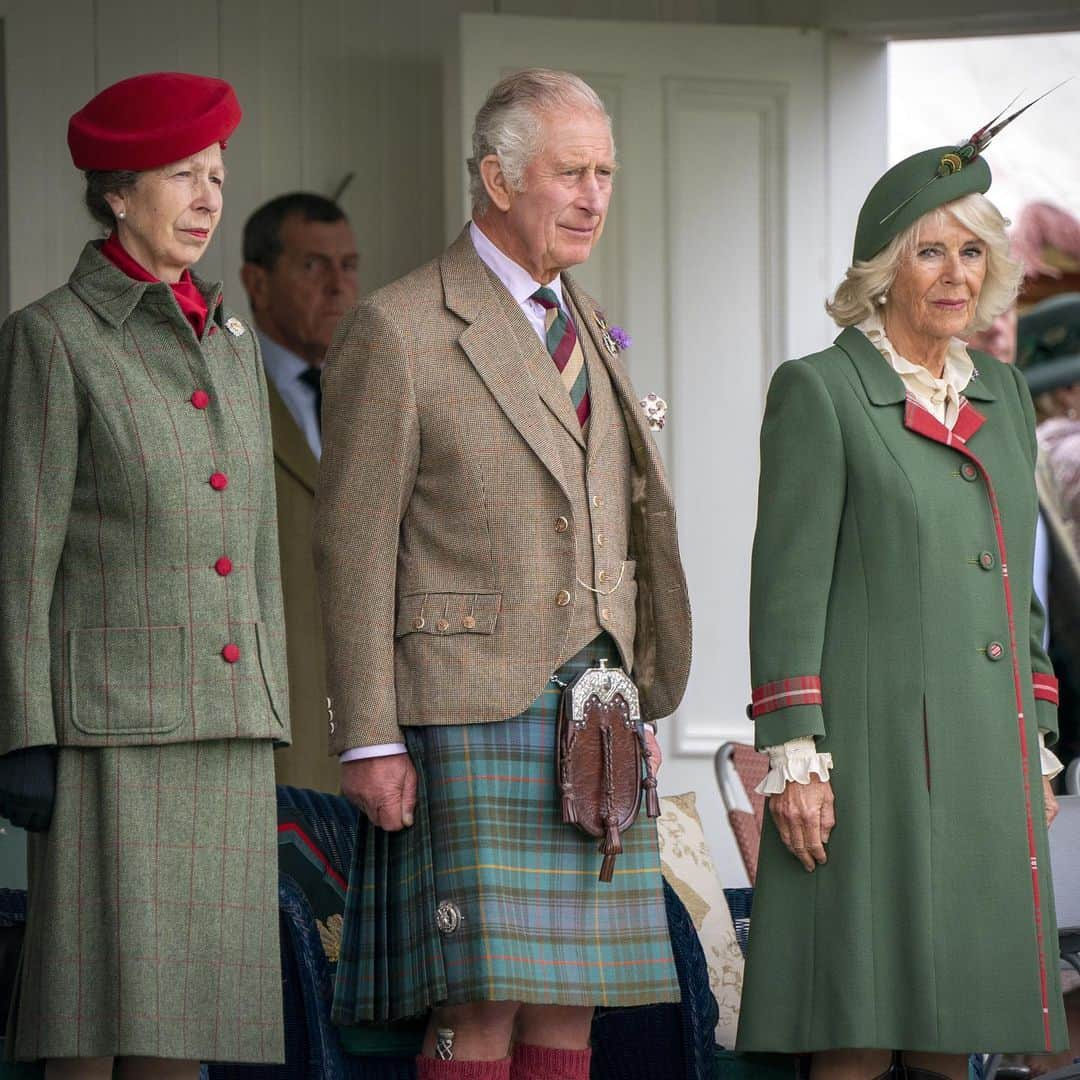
(447, 613)
(128, 680)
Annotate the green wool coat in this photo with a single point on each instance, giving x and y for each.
(141, 632)
(892, 617)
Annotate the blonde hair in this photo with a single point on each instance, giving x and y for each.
(866, 281)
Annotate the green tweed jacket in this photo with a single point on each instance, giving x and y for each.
(140, 595)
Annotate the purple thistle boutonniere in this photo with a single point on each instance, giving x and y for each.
(621, 338)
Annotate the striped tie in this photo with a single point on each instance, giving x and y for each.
(562, 343)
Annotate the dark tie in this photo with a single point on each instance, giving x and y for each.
(565, 349)
(313, 377)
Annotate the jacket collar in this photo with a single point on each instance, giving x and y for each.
(880, 381)
(112, 295)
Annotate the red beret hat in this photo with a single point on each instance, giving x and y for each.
(151, 120)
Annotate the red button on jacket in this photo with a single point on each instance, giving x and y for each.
(200, 399)
(224, 566)
(231, 653)
(219, 481)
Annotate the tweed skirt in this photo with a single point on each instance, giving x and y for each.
(489, 896)
(153, 926)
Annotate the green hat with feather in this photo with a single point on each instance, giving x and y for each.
(925, 181)
(914, 187)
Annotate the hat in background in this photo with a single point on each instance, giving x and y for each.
(151, 120)
(1048, 343)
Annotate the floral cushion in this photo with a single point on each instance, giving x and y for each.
(688, 868)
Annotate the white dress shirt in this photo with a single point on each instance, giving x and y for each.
(798, 758)
(286, 369)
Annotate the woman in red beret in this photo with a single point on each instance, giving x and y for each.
(142, 649)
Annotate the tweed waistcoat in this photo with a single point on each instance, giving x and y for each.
(140, 592)
(596, 474)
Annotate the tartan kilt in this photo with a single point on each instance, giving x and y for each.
(535, 924)
(152, 925)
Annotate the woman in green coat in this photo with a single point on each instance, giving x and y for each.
(901, 689)
(143, 634)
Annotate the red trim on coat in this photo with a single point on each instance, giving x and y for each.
(798, 690)
(1045, 687)
(922, 422)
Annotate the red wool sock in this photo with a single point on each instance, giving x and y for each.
(434, 1069)
(547, 1063)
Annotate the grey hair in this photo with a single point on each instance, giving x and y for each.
(510, 123)
(866, 281)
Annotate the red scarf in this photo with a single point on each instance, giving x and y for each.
(189, 298)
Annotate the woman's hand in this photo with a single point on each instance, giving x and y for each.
(804, 817)
(1050, 802)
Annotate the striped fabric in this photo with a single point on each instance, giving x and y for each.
(1045, 687)
(562, 343)
(798, 690)
(535, 923)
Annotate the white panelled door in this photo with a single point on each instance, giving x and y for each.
(715, 259)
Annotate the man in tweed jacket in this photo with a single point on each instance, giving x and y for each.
(478, 524)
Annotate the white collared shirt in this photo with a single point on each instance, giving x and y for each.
(286, 369)
(940, 397)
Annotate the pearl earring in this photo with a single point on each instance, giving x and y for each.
(120, 216)
(882, 298)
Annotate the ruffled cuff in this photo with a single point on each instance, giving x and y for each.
(794, 760)
(1050, 763)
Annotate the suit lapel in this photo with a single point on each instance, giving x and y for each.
(291, 449)
(496, 350)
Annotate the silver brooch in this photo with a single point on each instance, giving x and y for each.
(234, 326)
(655, 411)
(447, 917)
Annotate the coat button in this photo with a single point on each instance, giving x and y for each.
(598, 501)
(602, 576)
(219, 481)
(601, 539)
(231, 653)
(605, 613)
(418, 623)
(562, 598)
(995, 650)
(469, 622)
(987, 560)
(224, 566)
(561, 524)
(442, 625)
(969, 472)
(200, 399)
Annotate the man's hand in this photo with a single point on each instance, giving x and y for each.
(652, 748)
(384, 788)
(1050, 802)
(804, 818)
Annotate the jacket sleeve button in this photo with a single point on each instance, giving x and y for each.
(469, 622)
(561, 524)
(562, 598)
(442, 625)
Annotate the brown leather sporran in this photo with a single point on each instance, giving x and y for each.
(603, 760)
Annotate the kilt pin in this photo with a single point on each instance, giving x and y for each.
(142, 634)
(502, 533)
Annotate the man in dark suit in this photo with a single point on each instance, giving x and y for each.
(300, 274)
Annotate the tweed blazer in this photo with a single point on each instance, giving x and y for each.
(306, 763)
(140, 596)
(440, 477)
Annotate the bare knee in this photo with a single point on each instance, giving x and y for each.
(562, 1027)
(481, 1030)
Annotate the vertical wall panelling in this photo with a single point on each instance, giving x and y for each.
(5, 254)
(50, 73)
(259, 56)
